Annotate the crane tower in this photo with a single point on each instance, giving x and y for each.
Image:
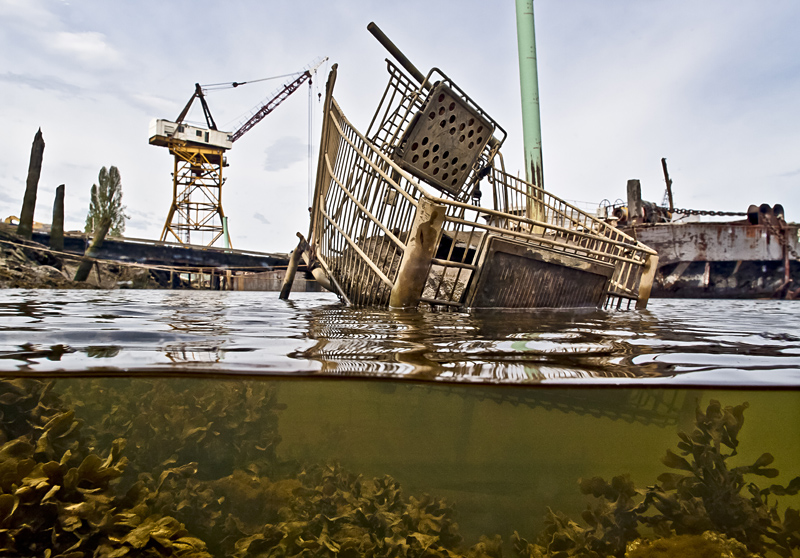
(198, 159)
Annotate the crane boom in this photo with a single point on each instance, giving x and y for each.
(271, 105)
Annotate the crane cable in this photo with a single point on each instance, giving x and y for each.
(310, 134)
(311, 185)
(229, 84)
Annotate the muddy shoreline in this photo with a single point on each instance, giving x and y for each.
(25, 264)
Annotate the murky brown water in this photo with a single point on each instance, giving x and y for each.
(234, 424)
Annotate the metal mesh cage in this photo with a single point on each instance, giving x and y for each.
(388, 233)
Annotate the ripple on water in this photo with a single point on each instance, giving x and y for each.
(245, 332)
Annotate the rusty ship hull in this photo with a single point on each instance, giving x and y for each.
(734, 260)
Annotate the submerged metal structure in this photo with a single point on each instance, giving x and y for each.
(419, 210)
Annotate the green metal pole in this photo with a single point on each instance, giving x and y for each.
(529, 88)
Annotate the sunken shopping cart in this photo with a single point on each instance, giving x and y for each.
(419, 210)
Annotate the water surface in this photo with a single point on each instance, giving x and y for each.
(263, 427)
(750, 342)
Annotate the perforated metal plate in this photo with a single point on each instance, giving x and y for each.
(443, 141)
(516, 275)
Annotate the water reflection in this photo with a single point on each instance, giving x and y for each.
(165, 331)
(499, 345)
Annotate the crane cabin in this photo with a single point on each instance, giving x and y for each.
(163, 132)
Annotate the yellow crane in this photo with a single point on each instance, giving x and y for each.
(199, 157)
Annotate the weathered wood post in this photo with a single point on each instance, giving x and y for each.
(291, 270)
(25, 228)
(91, 252)
(635, 210)
(57, 226)
(413, 272)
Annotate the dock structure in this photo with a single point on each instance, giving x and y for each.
(736, 259)
(167, 254)
(204, 266)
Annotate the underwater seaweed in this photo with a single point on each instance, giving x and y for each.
(58, 497)
(169, 422)
(707, 545)
(323, 511)
(708, 495)
(337, 513)
(204, 471)
(204, 478)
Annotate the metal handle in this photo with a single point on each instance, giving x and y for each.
(398, 55)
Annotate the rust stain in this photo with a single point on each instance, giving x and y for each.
(702, 246)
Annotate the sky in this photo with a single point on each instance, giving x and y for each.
(713, 86)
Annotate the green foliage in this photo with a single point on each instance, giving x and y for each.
(106, 201)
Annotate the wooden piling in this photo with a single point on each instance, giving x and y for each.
(668, 180)
(291, 269)
(646, 281)
(25, 228)
(635, 209)
(91, 252)
(57, 226)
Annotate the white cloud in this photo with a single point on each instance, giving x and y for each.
(89, 48)
(284, 153)
(42, 82)
(29, 13)
(710, 85)
(153, 104)
(261, 219)
(40, 36)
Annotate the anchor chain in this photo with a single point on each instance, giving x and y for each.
(705, 212)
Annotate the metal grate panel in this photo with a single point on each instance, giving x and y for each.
(443, 141)
(515, 275)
